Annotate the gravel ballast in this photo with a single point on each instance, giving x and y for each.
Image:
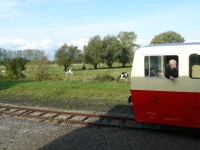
(31, 134)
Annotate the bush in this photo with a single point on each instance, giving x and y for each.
(104, 77)
(15, 68)
(38, 69)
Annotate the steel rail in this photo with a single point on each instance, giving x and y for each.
(28, 114)
(66, 113)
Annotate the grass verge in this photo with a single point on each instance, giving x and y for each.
(94, 90)
(93, 95)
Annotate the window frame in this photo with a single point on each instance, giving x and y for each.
(163, 63)
(190, 65)
(149, 64)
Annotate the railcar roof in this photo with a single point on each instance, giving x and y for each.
(172, 48)
(173, 44)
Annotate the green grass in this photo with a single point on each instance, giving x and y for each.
(78, 92)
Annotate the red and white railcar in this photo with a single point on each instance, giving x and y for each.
(159, 100)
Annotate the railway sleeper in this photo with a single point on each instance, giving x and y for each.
(99, 120)
(122, 123)
(107, 121)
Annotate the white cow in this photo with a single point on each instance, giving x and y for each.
(123, 76)
(66, 70)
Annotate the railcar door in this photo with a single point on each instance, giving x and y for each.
(158, 103)
(193, 103)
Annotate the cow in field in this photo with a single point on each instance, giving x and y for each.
(68, 71)
(123, 76)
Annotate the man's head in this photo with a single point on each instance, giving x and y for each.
(172, 63)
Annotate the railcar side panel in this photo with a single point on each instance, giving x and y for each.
(171, 108)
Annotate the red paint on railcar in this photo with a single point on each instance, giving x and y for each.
(165, 107)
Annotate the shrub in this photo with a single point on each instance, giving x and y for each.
(15, 68)
(38, 69)
(104, 77)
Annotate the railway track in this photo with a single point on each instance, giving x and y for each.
(72, 117)
(79, 118)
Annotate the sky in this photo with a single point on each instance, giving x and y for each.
(48, 24)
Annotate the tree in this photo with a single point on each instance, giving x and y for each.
(111, 50)
(127, 39)
(79, 58)
(93, 51)
(65, 55)
(126, 55)
(167, 37)
(15, 68)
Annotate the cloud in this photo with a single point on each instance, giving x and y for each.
(79, 43)
(46, 45)
(18, 44)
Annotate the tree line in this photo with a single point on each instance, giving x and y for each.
(109, 49)
(28, 54)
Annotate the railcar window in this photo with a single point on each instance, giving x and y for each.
(194, 66)
(154, 66)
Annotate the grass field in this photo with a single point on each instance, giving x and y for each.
(81, 91)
